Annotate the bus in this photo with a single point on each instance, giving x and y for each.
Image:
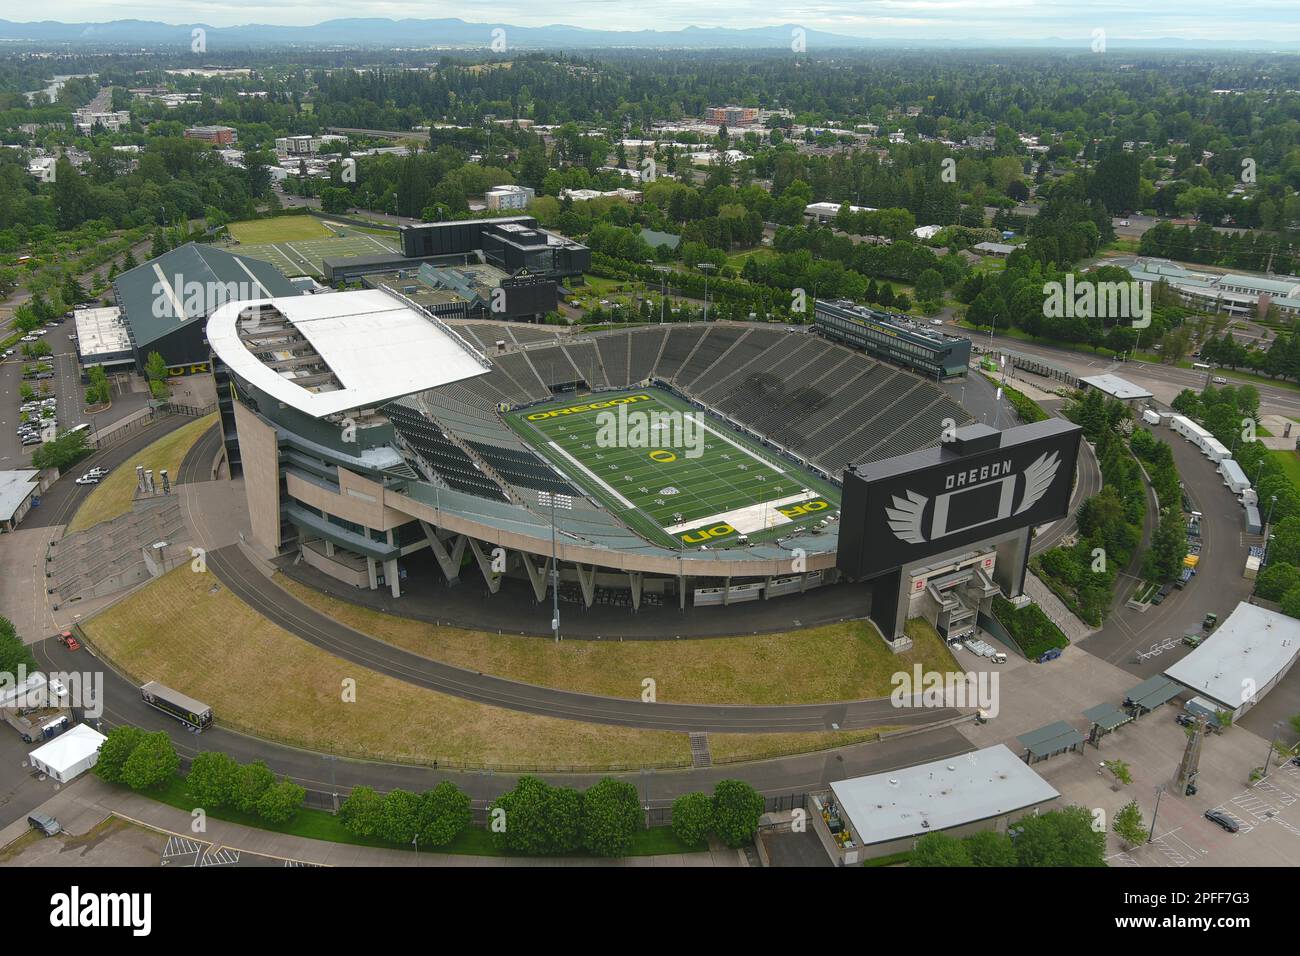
(83, 427)
(190, 712)
(1200, 365)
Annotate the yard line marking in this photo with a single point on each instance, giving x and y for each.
(593, 476)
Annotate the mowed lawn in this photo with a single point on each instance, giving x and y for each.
(113, 496)
(279, 229)
(1290, 462)
(187, 631)
(844, 661)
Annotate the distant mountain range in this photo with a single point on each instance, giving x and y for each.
(450, 32)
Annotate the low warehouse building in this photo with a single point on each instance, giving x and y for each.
(887, 812)
(1243, 660)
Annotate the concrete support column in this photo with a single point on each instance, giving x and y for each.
(329, 548)
(370, 570)
(587, 581)
(634, 581)
(391, 576)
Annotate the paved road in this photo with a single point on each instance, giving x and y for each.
(197, 464)
(326, 774)
(251, 586)
(61, 501)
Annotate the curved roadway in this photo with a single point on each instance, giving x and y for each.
(253, 587)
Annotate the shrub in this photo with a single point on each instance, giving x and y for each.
(279, 802)
(213, 780)
(611, 813)
(152, 762)
(736, 809)
(113, 753)
(692, 818)
(444, 813)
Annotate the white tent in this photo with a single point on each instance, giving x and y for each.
(69, 755)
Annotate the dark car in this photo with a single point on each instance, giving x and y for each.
(45, 823)
(1049, 655)
(1223, 820)
(1183, 720)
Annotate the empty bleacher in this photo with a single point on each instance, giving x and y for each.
(682, 340)
(615, 351)
(712, 347)
(439, 454)
(645, 347)
(827, 404)
(522, 468)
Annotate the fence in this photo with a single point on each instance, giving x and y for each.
(137, 421)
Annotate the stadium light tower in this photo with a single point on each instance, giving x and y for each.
(564, 503)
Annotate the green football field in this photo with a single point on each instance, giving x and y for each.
(673, 474)
(304, 256)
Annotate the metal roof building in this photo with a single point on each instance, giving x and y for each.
(1243, 660)
(166, 301)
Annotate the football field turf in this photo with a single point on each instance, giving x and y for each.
(304, 257)
(691, 482)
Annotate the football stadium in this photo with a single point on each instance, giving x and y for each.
(387, 443)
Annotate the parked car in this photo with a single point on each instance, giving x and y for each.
(1184, 720)
(1223, 820)
(1049, 655)
(97, 472)
(45, 823)
(1210, 621)
(1220, 380)
(1192, 639)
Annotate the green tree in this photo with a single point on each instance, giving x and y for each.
(280, 802)
(444, 813)
(939, 849)
(401, 817)
(1060, 838)
(119, 744)
(362, 813)
(213, 780)
(254, 780)
(1128, 825)
(14, 654)
(611, 814)
(736, 809)
(990, 848)
(693, 818)
(1276, 580)
(151, 763)
(540, 820)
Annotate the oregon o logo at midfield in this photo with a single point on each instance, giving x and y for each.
(590, 407)
(662, 455)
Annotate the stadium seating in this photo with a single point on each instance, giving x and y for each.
(439, 454)
(827, 404)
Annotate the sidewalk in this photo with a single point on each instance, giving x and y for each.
(82, 805)
(1056, 611)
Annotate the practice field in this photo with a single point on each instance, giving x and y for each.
(279, 229)
(304, 257)
(674, 474)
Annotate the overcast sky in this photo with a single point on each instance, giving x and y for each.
(1262, 20)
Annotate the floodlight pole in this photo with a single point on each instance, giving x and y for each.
(1154, 813)
(566, 503)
